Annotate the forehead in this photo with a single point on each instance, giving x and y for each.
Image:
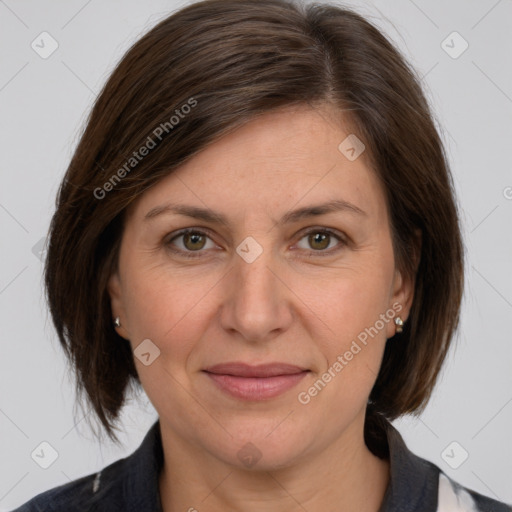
(278, 160)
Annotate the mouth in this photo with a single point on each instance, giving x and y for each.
(255, 383)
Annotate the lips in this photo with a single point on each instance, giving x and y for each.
(261, 371)
(255, 383)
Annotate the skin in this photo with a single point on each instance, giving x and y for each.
(289, 305)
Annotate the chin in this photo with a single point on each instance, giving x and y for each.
(266, 448)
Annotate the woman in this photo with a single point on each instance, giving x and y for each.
(259, 228)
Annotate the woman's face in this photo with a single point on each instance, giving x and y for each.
(316, 290)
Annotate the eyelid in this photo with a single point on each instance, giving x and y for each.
(323, 229)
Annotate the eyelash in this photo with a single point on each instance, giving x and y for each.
(312, 253)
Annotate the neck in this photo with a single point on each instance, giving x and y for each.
(344, 476)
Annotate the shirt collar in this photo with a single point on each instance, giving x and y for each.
(413, 481)
(141, 487)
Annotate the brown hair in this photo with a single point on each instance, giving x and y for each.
(230, 61)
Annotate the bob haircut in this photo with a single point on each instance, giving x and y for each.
(203, 72)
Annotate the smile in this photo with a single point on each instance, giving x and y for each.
(262, 382)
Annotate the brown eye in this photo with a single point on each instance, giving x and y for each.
(188, 242)
(321, 242)
(194, 241)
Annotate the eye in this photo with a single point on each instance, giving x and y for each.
(190, 241)
(321, 239)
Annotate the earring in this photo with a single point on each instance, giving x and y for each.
(117, 322)
(399, 324)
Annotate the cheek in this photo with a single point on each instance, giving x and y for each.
(168, 308)
(350, 302)
(162, 310)
(352, 312)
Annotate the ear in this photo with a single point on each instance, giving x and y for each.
(116, 304)
(403, 287)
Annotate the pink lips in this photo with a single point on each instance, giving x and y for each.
(255, 382)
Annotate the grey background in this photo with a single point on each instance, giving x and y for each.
(44, 103)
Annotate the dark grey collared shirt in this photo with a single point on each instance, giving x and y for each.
(131, 484)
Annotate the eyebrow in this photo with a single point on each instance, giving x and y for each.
(208, 215)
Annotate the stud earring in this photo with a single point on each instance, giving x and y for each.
(117, 322)
(399, 324)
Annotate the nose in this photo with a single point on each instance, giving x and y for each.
(258, 303)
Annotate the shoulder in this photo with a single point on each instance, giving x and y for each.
(127, 485)
(84, 493)
(453, 497)
(417, 484)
